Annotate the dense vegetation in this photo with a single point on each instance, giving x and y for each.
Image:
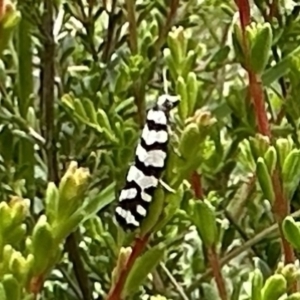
(77, 77)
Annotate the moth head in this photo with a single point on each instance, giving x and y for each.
(167, 102)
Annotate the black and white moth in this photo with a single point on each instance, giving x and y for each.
(150, 159)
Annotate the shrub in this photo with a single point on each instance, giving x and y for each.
(77, 78)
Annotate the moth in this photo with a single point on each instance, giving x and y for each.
(150, 159)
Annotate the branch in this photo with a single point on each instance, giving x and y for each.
(82, 278)
(138, 85)
(169, 22)
(211, 251)
(47, 90)
(88, 23)
(174, 282)
(197, 186)
(133, 41)
(47, 108)
(239, 250)
(110, 32)
(255, 85)
(273, 9)
(216, 269)
(281, 205)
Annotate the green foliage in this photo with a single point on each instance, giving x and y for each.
(76, 79)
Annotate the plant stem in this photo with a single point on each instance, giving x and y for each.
(239, 250)
(197, 186)
(47, 90)
(281, 205)
(138, 247)
(138, 85)
(174, 282)
(213, 256)
(72, 248)
(216, 269)
(169, 22)
(47, 108)
(133, 44)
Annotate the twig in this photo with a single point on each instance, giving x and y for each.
(213, 257)
(239, 250)
(72, 248)
(71, 282)
(281, 206)
(138, 86)
(281, 210)
(216, 268)
(47, 91)
(197, 186)
(169, 22)
(273, 8)
(110, 32)
(133, 42)
(240, 230)
(47, 108)
(174, 282)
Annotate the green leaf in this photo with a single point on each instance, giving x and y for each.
(190, 136)
(5, 216)
(42, 245)
(104, 198)
(90, 110)
(204, 218)
(218, 58)
(291, 232)
(52, 198)
(12, 287)
(2, 292)
(172, 202)
(257, 284)
(25, 80)
(7, 26)
(291, 172)
(154, 212)
(181, 90)
(63, 228)
(294, 296)
(187, 65)
(280, 69)
(192, 90)
(270, 159)
(141, 268)
(260, 48)
(265, 180)
(274, 287)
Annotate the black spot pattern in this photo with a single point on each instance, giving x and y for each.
(129, 206)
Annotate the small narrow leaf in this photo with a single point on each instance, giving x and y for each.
(104, 198)
(291, 231)
(264, 180)
(274, 287)
(142, 267)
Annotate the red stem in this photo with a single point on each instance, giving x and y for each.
(244, 11)
(196, 184)
(255, 86)
(273, 6)
(36, 284)
(281, 205)
(257, 94)
(213, 257)
(216, 269)
(281, 210)
(139, 246)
